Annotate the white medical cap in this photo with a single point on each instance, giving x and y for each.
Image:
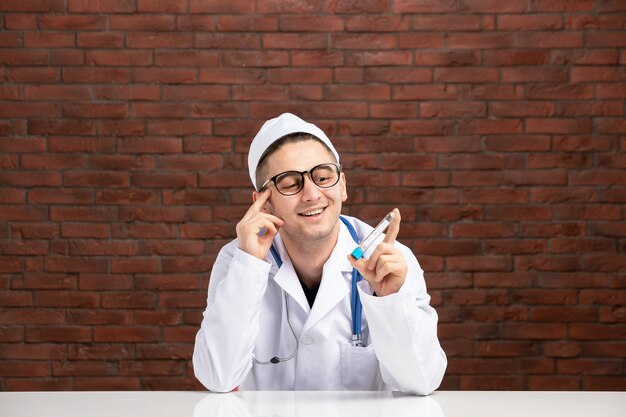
(276, 128)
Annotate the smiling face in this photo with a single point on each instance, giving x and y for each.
(311, 216)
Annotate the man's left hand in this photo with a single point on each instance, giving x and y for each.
(386, 269)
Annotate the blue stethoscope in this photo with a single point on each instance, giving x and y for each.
(355, 303)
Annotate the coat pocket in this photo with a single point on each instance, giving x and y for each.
(360, 370)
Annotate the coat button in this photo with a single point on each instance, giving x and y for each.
(306, 339)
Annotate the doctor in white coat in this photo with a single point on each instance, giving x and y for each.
(278, 313)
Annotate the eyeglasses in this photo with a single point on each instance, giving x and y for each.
(292, 182)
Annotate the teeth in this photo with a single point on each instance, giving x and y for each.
(312, 213)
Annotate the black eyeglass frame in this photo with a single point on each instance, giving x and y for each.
(301, 173)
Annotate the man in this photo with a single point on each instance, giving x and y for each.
(279, 309)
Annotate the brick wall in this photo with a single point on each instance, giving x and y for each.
(497, 127)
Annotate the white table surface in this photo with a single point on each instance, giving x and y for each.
(312, 404)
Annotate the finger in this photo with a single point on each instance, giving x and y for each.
(381, 249)
(276, 220)
(394, 227)
(387, 269)
(382, 261)
(360, 265)
(268, 222)
(261, 199)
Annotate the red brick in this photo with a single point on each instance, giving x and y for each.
(294, 41)
(528, 74)
(558, 125)
(424, 6)
(589, 21)
(24, 369)
(560, 91)
(316, 58)
(548, 40)
(186, 93)
(13, 196)
(129, 300)
(100, 40)
(420, 40)
(20, 20)
(491, 92)
(493, 6)
(290, 6)
(180, 334)
(465, 75)
(119, 197)
(364, 41)
(133, 58)
(21, 57)
(48, 40)
(604, 383)
(488, 126)
(67, 334)
(456, 58)
(138, 22)
(53, 92)
(64, 197)
(480, 40)
(370, 24)
(478, 263)
(379, 58)
(584, 331)
(134, 265)
(162, 6)
(105, 282)
(604, 263)
(275, 93)
(151, 145)
(605, 39)
(242, 23)
(396, 110)
(10, 40)
(74, 264)
(182, 299)
(452, 109)
(228, 40)
(33, 6)
(81, 75)
(584, 57)
(68, 299)
(424, 92)
(110, 6)
(449, 21)
(394, 75)
(255, 59)
(529, 22)
(611, 90)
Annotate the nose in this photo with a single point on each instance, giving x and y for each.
(310, 191)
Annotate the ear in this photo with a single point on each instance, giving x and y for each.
(342, 184)
(267, 207)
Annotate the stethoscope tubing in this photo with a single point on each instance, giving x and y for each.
(355, 302)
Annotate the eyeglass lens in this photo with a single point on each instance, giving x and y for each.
(292, 182)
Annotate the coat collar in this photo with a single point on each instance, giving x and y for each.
(336, 278)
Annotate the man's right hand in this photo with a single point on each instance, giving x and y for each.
(253, 222)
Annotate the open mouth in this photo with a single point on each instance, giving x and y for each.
(312, 213)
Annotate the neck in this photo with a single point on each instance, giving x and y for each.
(308, 257)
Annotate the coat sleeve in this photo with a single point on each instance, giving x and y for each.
(403, 330)
(222, 356)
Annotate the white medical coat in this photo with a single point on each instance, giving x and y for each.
(251, 300)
